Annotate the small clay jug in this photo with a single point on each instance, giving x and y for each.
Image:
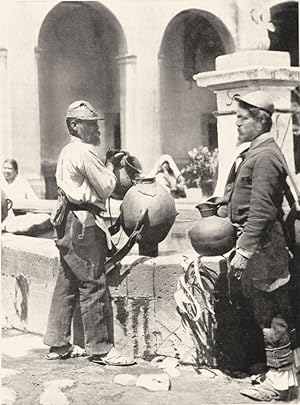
(212, 235)
(126, 173)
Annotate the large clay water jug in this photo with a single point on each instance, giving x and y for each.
(126, 173)
(150, 195)
(212, 235)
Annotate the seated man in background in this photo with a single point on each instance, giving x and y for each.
(15, 186)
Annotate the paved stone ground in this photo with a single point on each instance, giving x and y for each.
(29, 379)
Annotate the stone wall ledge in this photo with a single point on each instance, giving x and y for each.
(249, 76)
(146, 322)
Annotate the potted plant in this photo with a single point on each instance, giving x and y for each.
(201, 171)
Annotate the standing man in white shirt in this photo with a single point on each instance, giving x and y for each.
(83, 242)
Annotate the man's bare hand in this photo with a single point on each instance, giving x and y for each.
(237, 265)
(115, 158)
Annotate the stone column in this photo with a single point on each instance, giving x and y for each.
(139, 92)
(127, 70)
(240, 73)
(37, 180)
(5, 109)
(147, 138)
(25, 115)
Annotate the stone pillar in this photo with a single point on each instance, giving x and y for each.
(147, 138)
(127, 70)
(240, 73)
(5, 109)
(25, 115)
(37, 181)
(139, 92)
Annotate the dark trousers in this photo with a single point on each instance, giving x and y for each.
(81, 276)
(267, 305)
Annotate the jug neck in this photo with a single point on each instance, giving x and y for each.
(144, 180)
(207, 209)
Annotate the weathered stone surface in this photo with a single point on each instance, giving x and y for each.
(172, 372)
(171, 338)
(125, 379)
(246, 58)
(154, 382)
(94, 383)
(140, 280)
(7, 372)
(168, 362)
(165, 277)
(28, 224)
(19, 346)
(52, 393)
(59, 384)
(8, 396)
(145, 318)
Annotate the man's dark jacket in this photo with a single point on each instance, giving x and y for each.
(256, 197)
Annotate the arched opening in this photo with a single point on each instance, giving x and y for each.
(285, 37)
(78, 46)
(192, 41)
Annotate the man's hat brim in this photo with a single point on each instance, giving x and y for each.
(258, 100)
(96, 118)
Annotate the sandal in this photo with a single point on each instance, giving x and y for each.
(78, 351)
(65, 352)
(113, 358)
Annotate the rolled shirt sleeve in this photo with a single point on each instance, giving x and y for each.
(100, 178)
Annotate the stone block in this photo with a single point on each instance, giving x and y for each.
(252, 58)
(166, 274)
(154, 382)
(134, 324)
(117, 282)
(171, 338)
(140, 278)
(146, 321)
(8, 312)
(35, 257)
(125, 379)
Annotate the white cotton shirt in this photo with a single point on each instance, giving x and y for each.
(19, 189)
(83, 177)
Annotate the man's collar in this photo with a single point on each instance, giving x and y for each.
(76, 139)
(260, 139)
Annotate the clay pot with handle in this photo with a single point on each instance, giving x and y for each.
(212, 235)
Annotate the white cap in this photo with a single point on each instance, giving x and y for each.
(258, 99)
(82, 110)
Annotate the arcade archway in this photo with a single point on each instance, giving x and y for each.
(78, 46)
(192, 41)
